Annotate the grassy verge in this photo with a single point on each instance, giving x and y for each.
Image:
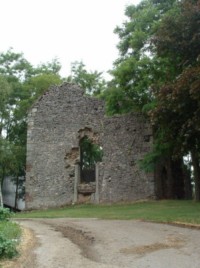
(159, 211)
(10, 234)
(10, 230)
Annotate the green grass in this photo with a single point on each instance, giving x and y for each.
(10, 234)
(160, 211)
(10, 230)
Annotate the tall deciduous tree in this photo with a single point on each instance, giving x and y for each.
(20, 85)
(177, 115)
(154, 50)
(177, 103)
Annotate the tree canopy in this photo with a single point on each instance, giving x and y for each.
(157, 73)
(177, 107)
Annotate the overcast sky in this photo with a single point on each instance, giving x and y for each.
(70, 30)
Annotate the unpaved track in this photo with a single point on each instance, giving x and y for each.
(74, 243)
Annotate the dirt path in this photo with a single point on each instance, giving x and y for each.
(73, 243)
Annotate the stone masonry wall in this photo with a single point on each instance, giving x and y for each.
(56, 123)
(126, 139)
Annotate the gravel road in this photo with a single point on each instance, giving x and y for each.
(93, 243)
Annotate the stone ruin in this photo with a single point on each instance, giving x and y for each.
(57, 123)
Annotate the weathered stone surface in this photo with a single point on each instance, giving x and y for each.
(56, 123)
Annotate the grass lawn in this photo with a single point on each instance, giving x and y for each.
(10, 230)
(159, 211)
(10, 234)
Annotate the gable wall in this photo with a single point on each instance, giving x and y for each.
(55, 125)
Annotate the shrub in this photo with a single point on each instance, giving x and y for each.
(5, 214)
(9, 235)
(7, 247)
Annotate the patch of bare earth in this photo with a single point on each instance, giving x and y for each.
(84, 240)
(171, 242)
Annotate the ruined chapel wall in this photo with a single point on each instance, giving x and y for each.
(125, 141)
(54, 124)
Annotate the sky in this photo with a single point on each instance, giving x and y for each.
(69, 30)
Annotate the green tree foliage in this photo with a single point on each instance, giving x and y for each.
(178, 35)
(177, 108)
(90, 153)
(138, 69)
(10, 234)
(14, 66)
(157, 74)
(20, 85)
(5, 93)
(91, 82)
(116, 101)
(52, 67)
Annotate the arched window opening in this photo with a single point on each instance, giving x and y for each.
(90, 154)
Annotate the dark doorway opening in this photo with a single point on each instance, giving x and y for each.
(90, 154)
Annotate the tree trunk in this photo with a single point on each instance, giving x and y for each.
(187, 184)
(1, 197)
(182, 180)
(1, 186)
(16, 193)
(164, 179)
(195, 163)
(170, 179)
